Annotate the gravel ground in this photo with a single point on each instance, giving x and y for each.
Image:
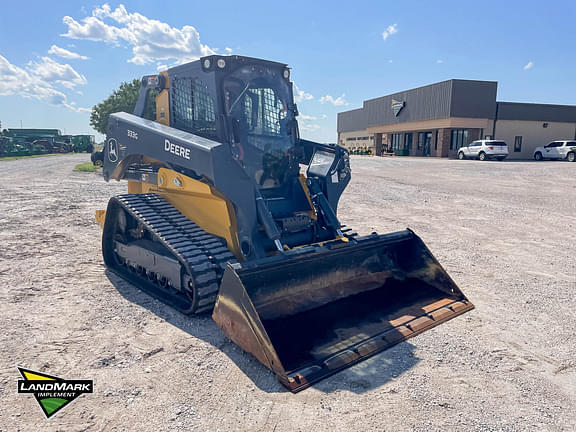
(503, 230)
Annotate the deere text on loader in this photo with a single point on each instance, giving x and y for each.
(229, 211)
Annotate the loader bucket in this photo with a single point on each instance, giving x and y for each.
(309, 313)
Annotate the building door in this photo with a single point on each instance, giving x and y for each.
(396, 142)
(427, 143)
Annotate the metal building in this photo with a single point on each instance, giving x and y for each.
(437, 119)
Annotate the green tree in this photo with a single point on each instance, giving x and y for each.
(122, 99)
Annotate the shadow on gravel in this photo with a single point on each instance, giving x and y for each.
(364, 376)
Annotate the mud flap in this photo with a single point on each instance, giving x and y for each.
(314, 311)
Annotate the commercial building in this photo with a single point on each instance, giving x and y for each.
(437, 119)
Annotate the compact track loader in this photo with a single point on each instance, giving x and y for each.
(229, 211)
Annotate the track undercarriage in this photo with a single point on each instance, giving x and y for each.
(150, 243)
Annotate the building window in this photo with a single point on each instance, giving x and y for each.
(427, 142)
(408, 141)
(351, 139)
(517, 143)
(544, 125)
(487, 137)
(421, 140)
(458, 138)
(396, 141)
(436, 140)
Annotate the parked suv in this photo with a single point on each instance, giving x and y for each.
(557, 150)
(484, 149)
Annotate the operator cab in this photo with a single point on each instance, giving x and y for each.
(257, 100)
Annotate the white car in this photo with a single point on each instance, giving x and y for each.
(557, 150)
(484, 149)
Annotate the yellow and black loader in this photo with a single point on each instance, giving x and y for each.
(229, 211)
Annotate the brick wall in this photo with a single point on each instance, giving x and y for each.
(443, 142)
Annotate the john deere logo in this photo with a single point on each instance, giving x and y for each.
(397, 106)
(112, 150)
(52, 393)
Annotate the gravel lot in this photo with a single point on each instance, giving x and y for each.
(503, 230)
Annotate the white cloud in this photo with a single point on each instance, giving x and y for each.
(29, 84)
(64, 53)
(72, 106)
(390, 61)
(300, 95)
(528, 65)
(339, 101)
(228, 50)
(151, 40)
(390, 30)
(439, 61)
(50, 71)
(307, 122)
(91, 29)
(307, 127)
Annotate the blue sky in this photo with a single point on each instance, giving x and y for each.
(58, 59)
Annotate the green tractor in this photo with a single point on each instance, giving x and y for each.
(81, 143)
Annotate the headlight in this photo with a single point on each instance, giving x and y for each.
(207, 64)
(221, 63)
(321, 163)
(286, 73)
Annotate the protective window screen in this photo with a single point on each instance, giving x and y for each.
(193, 107)
(263, 111)
(204, 116)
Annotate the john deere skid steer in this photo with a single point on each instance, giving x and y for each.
(229, 211)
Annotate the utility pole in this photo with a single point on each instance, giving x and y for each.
(21, 127)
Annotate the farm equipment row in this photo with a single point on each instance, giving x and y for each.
(25, 142)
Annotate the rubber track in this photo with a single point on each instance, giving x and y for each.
(203, 255)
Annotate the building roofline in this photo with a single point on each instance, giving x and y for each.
(452, 80)
(355, 109)
(431, 85)
(538, 104)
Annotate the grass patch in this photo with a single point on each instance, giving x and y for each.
(86, 167)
